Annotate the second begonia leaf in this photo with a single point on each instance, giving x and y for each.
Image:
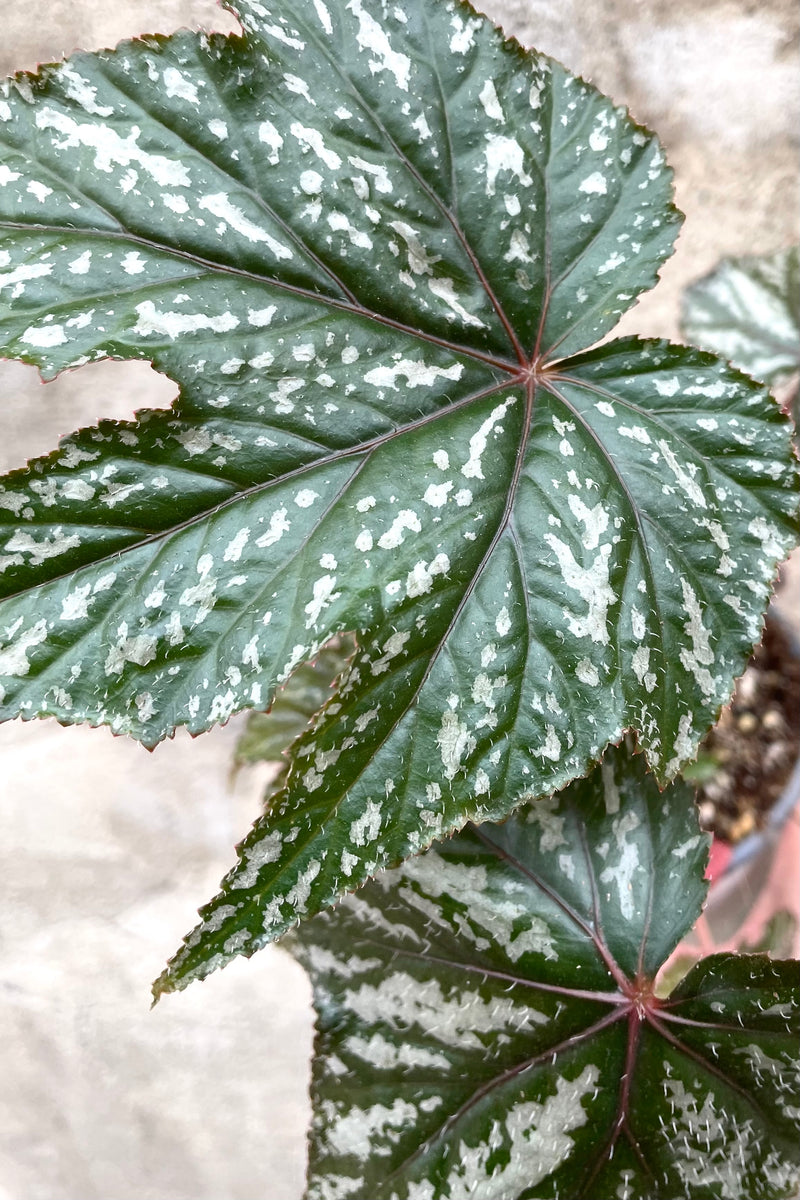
(487, 1023)
(268, 735)
(371, 244)
(748, 309)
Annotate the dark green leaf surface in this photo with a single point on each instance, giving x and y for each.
(486, 1024)
(370, 245)
(462, 716)
(748, 310)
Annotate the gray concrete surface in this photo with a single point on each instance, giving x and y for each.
(106, 850)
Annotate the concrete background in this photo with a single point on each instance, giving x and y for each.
(107, 851)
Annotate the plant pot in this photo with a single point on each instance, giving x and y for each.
(754, 896)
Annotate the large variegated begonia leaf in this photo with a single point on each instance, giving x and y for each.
(487, 1023)
(371, 245)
